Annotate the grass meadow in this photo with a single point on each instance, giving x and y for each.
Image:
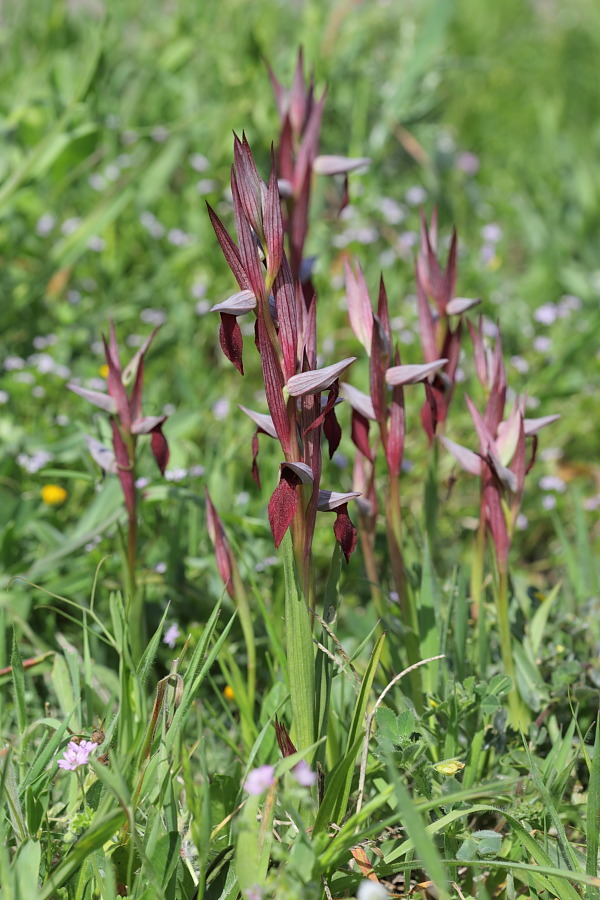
(329, 628)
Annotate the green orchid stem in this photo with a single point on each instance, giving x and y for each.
(477, 570)
(245, 614)
(517, 715)
(299, 651)
(135, 606)
(406, 599)
(367, 542)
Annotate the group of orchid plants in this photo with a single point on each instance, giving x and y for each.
(275, 285)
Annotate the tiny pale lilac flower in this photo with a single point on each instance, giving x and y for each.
(96, 181)
(542, 344)
(371, 890)
(96, 244)
(259, 780)
(74, 297)
(142, 483)
(202, 307)
(553, 483)
(4, 398)
(129, 137)
(221, 409)
(198, 290)
(253, 893)
(178, 237)
(169, 409)
(468, 163)
(198, 162)
(546, 314)
(196, 471)
(522, 522)
(153, 316)
(303, 774)
(11, 363)
(591, 504)
(176, 474)
(171, 635)
(487, 254)
(70, 225)
(206, 186)
(549, 501)
(520, 364)
(491, 233)
(76, 755)
(45, 224)
(24, 377)
(267, 563)
(392, 211)
(416, 195)
(568, 303)
(112, 172)
(159, 134)
(406, 241)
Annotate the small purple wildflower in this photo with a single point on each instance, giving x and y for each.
(70, 225)
(553, 483)
(221, 408)
(491, 233)
(96, 244)
(206, 186)
(159, 134)
(45, 224)
(253, 893)
(198, 162)
(547, 313)
(259, 780)
(171, 635)
(178, 237)
(76, 755)
(542, 343)
(468, 163)
(416, 195)
(154, 317)
(303, 774)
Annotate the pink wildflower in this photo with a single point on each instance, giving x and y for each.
(259, 780)
(76, 755)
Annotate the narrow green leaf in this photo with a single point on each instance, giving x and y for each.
(420, 836)
(27, 870)
(593, 808)
(18, 679)
(430, 626)
(329, 810)
(299, 650)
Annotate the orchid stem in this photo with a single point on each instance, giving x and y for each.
(517, 715)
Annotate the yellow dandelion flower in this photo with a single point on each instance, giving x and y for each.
(449, 766)
(103, 370)
(228, 692)
(53, 494)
